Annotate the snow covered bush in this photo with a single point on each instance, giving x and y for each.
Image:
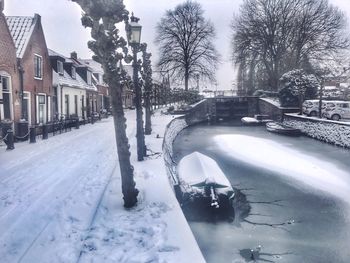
(326, 131)
(297, 86)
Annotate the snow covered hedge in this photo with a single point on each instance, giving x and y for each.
(172, 130)
(323, 130)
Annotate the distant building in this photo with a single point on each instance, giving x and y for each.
(69, 88)
(85, 72)
(103, 99)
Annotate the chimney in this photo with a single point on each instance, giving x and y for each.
(73, 55)
(2, 5)
(37, 17)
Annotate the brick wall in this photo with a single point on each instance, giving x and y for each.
(37, 45)
(8, 62)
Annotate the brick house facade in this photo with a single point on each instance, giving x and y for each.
(34, 67)
(9, 78)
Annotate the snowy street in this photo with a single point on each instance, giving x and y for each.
(60, 201)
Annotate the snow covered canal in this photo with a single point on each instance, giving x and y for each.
(292, 200)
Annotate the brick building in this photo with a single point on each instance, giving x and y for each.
(34, 70)
(9, 78)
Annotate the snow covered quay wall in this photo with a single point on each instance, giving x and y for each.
(337, 133)
(198, 113)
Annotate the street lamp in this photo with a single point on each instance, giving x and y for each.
(133, 30)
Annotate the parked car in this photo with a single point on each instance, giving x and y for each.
(310, 107)
(338, 110)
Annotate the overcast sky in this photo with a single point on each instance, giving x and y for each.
(64, 33)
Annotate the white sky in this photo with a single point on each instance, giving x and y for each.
(64, 33)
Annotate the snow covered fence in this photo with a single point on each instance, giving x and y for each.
(333, 132)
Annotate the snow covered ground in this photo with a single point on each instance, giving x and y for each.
(61, 201)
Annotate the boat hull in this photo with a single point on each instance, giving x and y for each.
(282, 129)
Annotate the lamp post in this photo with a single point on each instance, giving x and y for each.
(134, 37)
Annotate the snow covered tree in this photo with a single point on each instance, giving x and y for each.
(298, 84)
(186, 43)
(147, 79)
(110, 49)
(331, 68)
(280, 35)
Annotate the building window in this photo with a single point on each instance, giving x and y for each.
(82, 106)
(76, 104)
(74, 73)
(26, 105)
(60, 67)
(66, 103)
(38, 65)
(41, 110)
(49, 108)
(6, 97)
(89, 77)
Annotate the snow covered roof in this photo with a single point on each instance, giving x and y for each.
(66, 79)
(53, 53)
(330, 88)
(21, 28)
(95, 66)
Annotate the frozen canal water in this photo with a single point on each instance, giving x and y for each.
(292, 202)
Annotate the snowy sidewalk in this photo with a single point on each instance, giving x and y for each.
(61, 201)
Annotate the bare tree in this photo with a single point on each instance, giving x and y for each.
(186, 43)
(110, 49)
(281, 35)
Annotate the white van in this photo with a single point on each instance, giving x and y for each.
(338, 110)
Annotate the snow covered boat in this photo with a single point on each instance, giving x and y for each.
(282, 129)
(257, 120)
(201, 177)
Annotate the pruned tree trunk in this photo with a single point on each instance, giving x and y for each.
(126, 169)
(147, 79)
(109, 50)
(148, 125)
(140, 136)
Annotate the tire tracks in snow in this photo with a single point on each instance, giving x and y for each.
(95, 212)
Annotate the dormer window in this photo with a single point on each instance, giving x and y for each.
(97, 77)
(74, 73)
(60, 67)
(89, 77)
(38, 67)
